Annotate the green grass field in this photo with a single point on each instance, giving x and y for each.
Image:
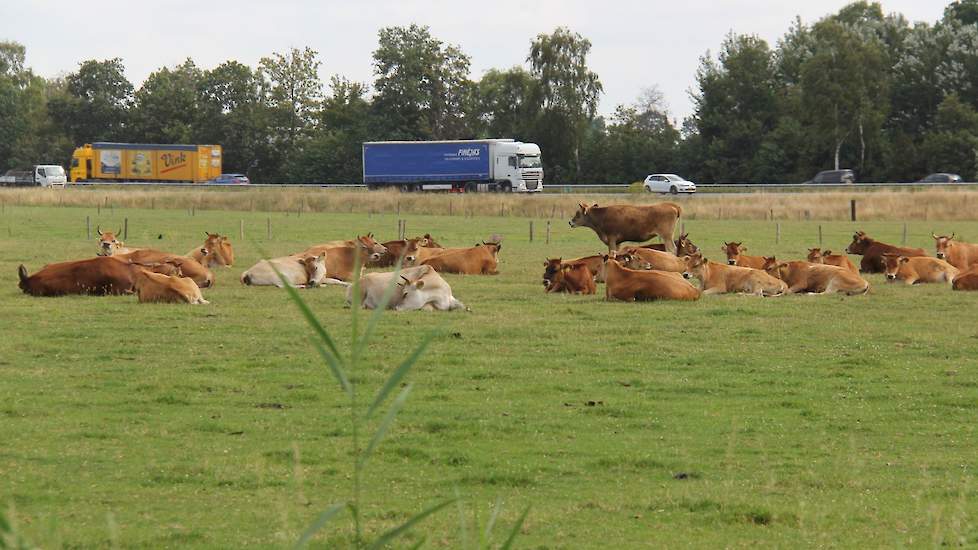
(732, 421)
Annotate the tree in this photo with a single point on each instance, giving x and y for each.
(952, 145)
(963, 12)
(96, 105)
(13, 83)
(568, 93)
(231, 112)
(165, 109)
(423, 87)
(293, 91)
(506, 103)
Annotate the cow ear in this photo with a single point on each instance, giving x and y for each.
(419, 283)
(827, 253)
(323, 255)
(604, 257)
(903, 259)
(686, 258)
(583, 206)
(302, 261)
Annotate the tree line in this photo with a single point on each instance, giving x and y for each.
(857, 89)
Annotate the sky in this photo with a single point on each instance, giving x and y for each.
(636, 44)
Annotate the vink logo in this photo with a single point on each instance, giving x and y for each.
(470, 152)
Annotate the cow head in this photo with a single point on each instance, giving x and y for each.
(860, 242)
(582, 216)
(494, 247)
(685, 246)
(943, 244)
(816, 256)
(550, 268)
(693, 265)
(411, 251)
(773, 267)
(368, 244)
(220, 249)
(108, 243)
(733, 250)
(315, 267)
(427, 241)
(633, 261)
(892, 264)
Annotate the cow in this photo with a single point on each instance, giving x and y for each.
(188, 266)
(967, 280)
(573, 279)
(624, 222)
(717, 278)
(364, 242)
(108, 242)
(916, 270)
(479, 260)
(872, 252)
(816, 278)
(631, 285)
(961, 255)
(341, 258)
(684, 246)
(215, 252)
(156, 287)
(98, 276)
(432, 294)
(299, 272)
(735, 256)
(594, 265)
(819, 256)
(662, 261)
(427, 241)
(404, 250)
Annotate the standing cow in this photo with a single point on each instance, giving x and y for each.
(624, 222)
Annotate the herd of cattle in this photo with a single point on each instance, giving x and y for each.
(630, 273)
(662, 271)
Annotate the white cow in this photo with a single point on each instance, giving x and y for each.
(416, 288)
(300, 272)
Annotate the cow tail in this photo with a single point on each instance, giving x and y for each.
(679, 210)
(22, 273)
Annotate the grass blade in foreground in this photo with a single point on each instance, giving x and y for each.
(404, 527)
(385, 424)
(334, 366)
(516, 530)
(379, 310)
(309, 315)
(322, 520)
(398, 374)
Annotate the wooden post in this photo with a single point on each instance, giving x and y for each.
(152, 203)
(398, 208)
(502, 207)
(682, 228)
(449, 207)
(404, 229)
(904, 234)
(98, 207)
(777, 233)
(125, 229)
(531, 231)
(268, 227)
(553, 211)
(819, 235)
(852, 210)
(548, 231)
(241, 229)
(88, 227)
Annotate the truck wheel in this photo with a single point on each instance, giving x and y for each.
(506, 188)
(471, 187)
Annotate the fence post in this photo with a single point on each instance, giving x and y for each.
(449, 207)
(819, 235)
(777, 233)
(682, 228)
(531, 231)
(403, 229)
(125, 229)
(268, 227)
(241, 229)
(88, 227)
(852, 210)
(904, 234)
(548, 231)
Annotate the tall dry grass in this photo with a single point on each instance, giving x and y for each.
(932, 204)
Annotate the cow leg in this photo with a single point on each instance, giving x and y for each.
(712, 290)
(669, 241)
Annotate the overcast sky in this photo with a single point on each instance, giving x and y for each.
(636, 43)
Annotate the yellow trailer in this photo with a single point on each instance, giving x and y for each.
(103, 161)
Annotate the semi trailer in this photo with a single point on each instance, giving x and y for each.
(502, 165)
(145, 162)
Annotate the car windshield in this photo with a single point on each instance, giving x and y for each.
(53, 171)
(530, 162)
(674, 177)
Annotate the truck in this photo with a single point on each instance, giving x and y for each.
(464, 166)
(44, 175)
(145, 162)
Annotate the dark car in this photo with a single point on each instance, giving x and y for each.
(231, 178)
(834, 176)
(941, 178)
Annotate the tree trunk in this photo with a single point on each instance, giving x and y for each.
(838, 145)
(862, 147)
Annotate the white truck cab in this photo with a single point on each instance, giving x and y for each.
(519, 164)
(49, 175)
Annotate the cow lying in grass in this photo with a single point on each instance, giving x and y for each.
(632, 285)
(717, 278)
(156, 287)
(819, 256)
(918, 269)
(414, 288)
(816, 278)
(299, 272)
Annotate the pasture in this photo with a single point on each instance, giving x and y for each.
(731, 421)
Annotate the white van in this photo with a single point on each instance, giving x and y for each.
(49, 175)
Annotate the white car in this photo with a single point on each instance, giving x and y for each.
(668, 183)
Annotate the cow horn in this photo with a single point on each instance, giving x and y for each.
(951, 238)
(119, 232)
(934, 235)
(22, 273)
(98, 229)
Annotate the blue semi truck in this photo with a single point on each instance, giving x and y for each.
(501, 165)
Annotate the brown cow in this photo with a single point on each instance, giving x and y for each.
(819, 256)
(594, 265)
(572, 278)
(624, 222)
(343, 256)
(403, 250)
(966, 281)
(215, 252)
(98, 276)
(662, 261)
(816, 278)
(189, 266)
(717, 278)
(478, 260)
(917, 269)
(156, 287)
(735, 256)
(684, 246)
(366, 243)
(961, 255)
(872, 252)
(108, 241)
(427, 241)
(631, 285)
